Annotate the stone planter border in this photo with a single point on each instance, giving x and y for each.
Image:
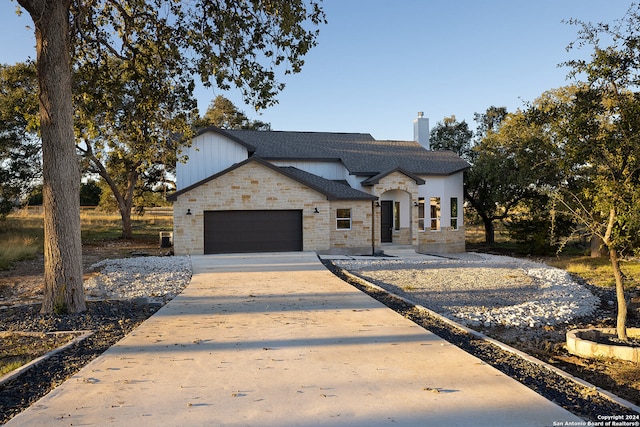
(582, 342)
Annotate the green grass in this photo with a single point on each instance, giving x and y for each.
(502, 245)
(10, 366)
(15, 247)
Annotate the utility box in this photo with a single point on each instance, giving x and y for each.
(166, 239)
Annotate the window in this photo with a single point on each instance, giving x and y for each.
(454, 213)
(435, 213)
(396, 216)
(343, 219)
(421, 213)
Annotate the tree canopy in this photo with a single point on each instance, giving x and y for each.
(583, 142)
(127, 117)
(228, 43)
(225, 115)
(19, 141)
(449, 134)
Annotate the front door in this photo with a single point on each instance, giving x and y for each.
(386, 221)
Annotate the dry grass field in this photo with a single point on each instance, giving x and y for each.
(21, 233)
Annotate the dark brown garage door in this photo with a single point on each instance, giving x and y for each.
(252, 231)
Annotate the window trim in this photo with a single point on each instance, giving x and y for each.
(396, 216)
(453, 210)
(421, 211)
(437, 219)
(343, 219)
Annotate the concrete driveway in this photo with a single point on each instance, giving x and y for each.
(277, 340)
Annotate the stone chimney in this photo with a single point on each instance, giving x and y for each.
(421, 130)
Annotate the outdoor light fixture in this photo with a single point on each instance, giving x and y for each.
(377, 204)
(416, 204)
(316, 210)
(188, 211)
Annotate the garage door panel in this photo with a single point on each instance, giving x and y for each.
(252, 231)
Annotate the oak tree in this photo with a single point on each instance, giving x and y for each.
(452, 135)
(245, 44)
(128, 116)
(596, 123)
(483, 181)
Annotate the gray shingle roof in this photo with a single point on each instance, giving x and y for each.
(376, 178)
(360, 153)
(334, 190)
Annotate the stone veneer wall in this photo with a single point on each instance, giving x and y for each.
(402, 236)
(444, 241)
(257, 187)
(356, 241)
(250, 187)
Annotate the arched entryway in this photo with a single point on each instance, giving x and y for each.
(396, 217)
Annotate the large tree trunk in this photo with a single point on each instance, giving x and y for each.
(621, 321)
(127, 205)
(63, 292)
(489, 231)
(127, 224)
(124, 201)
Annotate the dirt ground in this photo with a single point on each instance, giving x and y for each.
(23, 285)
(619, 377)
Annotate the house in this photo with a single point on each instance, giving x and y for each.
(342, 193)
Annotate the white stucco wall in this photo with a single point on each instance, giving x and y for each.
(446, 239)
(444, 187)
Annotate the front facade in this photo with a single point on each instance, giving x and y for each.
(341, 193)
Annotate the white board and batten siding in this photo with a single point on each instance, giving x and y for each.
(208, 154)
(332, 170)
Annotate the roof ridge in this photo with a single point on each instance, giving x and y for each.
(300, 131)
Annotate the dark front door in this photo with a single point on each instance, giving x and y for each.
(252, 231)
(386, 220)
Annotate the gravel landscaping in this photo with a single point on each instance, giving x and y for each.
(482, 289)
(583, 401)
(157, 279)
(475, 289)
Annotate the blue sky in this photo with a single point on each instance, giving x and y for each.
(379, 62)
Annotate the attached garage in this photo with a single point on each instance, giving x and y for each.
(255, 206)
(248, 231)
